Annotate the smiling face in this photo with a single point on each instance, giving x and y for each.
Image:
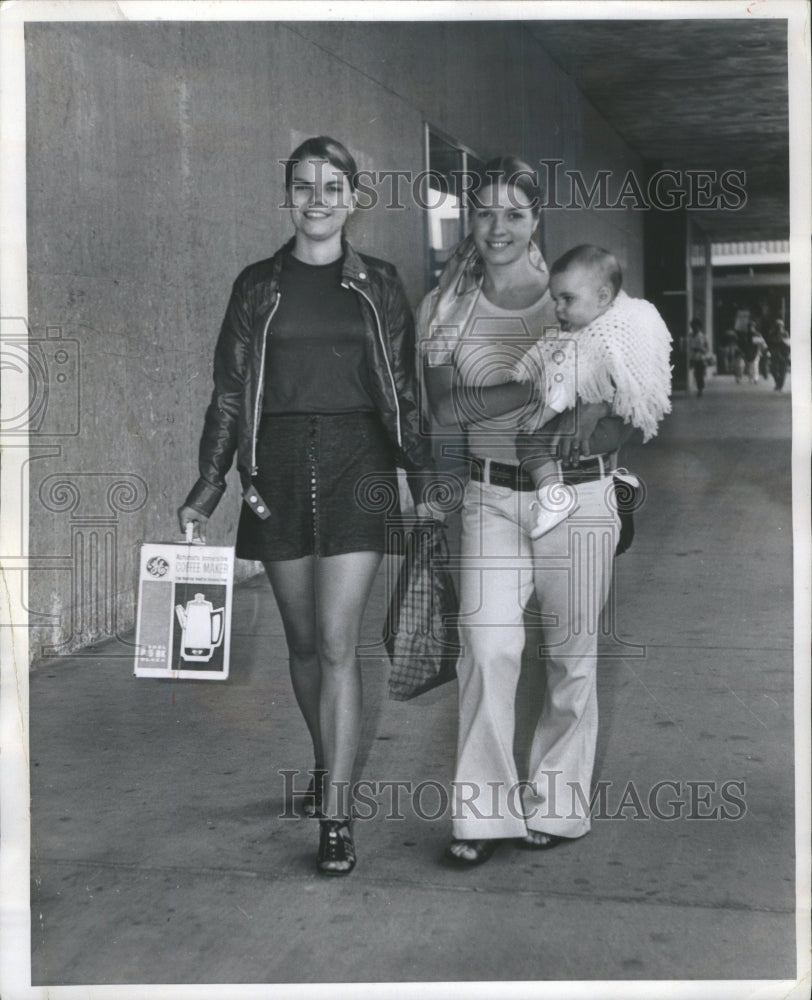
(321, 201)
(502, 224)
(580, 295)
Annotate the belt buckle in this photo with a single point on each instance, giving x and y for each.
(501, 476)
(574, 477)
(588, 471)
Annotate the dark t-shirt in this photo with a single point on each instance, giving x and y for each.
(315, 359)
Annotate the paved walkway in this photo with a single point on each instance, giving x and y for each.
(159, 854)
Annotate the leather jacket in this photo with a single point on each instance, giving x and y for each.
(233, 415)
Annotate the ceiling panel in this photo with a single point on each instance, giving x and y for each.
(692, 95)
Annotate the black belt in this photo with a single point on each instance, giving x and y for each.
(501, 475)
(515, 478)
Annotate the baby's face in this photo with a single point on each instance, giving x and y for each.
(580, 295)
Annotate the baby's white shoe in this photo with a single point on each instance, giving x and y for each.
(626, 485)
(555, 502)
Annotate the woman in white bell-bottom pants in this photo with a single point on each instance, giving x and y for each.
(490, 306)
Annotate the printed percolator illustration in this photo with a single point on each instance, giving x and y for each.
(202, 629)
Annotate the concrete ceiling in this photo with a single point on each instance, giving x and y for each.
(692, 95)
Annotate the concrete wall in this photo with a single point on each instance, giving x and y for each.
(153, 179)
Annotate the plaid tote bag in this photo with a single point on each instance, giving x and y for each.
(420, 631)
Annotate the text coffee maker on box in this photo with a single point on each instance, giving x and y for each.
(184, 610)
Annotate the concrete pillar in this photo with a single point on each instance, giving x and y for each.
(666, 278)
(708, 276)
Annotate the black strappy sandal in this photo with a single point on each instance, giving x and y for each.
(482, 851)
(537, 840)
(314, 796)
(335, 847)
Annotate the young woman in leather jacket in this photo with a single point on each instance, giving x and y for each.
(315, 392)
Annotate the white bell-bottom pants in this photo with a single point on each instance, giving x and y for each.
(570, 569)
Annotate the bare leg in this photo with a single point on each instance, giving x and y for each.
(293, 585)
(343, 584)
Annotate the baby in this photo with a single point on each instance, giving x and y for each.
(617, 351)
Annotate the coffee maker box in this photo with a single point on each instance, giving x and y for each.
(183, 626)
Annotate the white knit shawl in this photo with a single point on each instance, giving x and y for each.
(622, 358)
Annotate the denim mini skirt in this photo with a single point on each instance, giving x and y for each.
(329, 484)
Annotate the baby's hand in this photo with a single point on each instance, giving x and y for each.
(587, 416)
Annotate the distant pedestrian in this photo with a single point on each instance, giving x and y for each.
(698, 354)
(752, 348)
(738, 365)
(764, 359)
(730, 349)
(779, 353)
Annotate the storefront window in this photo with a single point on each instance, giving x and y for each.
(449, 165)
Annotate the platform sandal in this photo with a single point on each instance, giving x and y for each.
(336, 848)
(536, 840)
(482, 851)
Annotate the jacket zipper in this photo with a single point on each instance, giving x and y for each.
(259, 386)
(355, 288)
